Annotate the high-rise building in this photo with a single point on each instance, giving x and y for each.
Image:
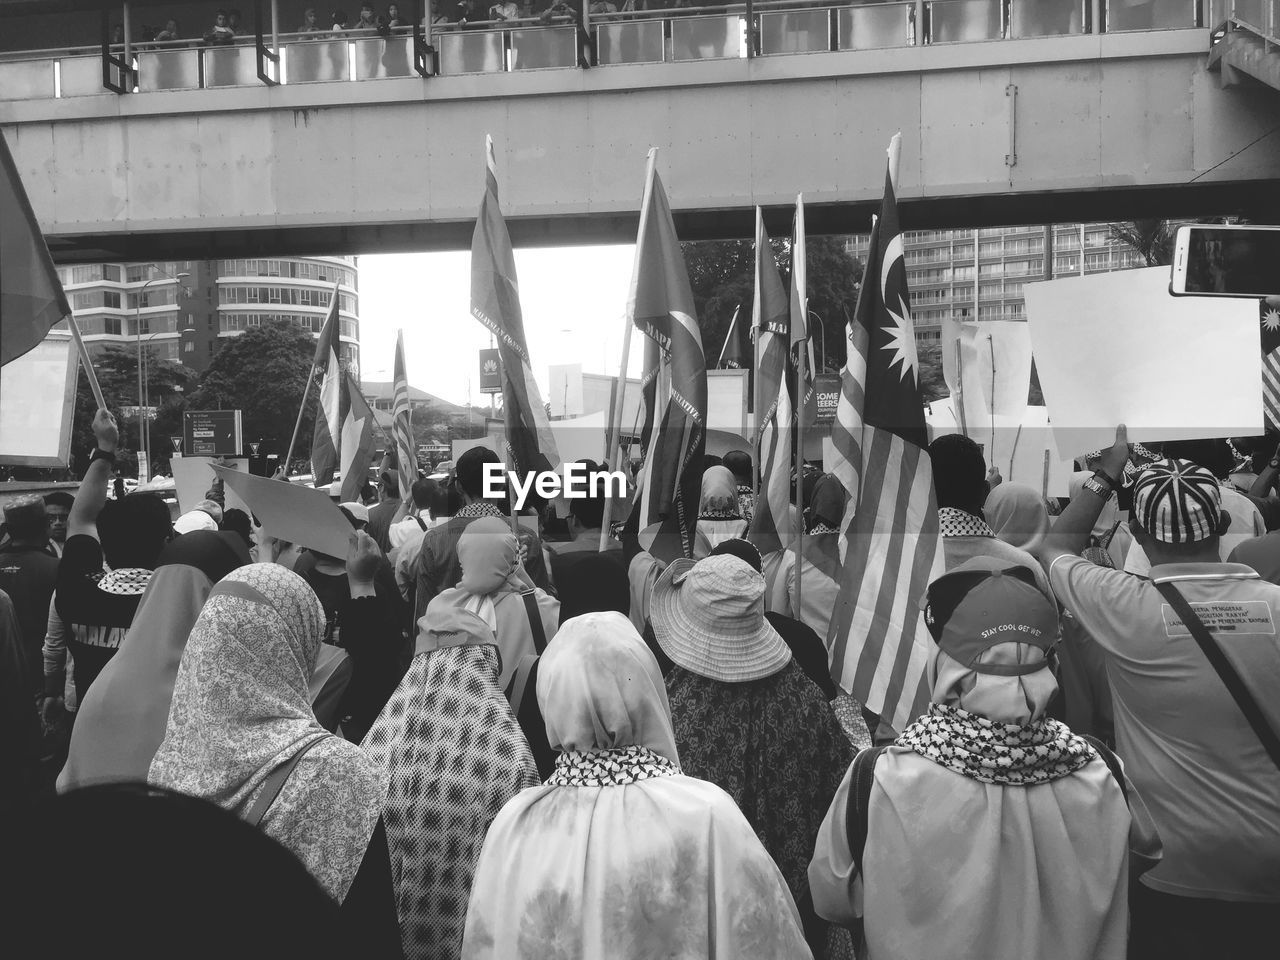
(951, 271)
(186, 318)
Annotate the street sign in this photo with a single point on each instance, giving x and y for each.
(826, 389)
(490, 371)
(212, 433)
(177, 444)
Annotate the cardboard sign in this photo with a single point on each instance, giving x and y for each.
(1117, 348)
(289, 511)
(37, 399)
(193, 476)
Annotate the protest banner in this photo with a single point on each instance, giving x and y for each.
(289, 511)
(1117, 348)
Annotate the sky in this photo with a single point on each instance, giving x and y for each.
(573, 299)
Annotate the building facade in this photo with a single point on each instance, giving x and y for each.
(186, 319)
(960, 274)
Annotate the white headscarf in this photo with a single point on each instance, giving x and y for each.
(619, 855)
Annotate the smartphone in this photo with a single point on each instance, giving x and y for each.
(1211, 260)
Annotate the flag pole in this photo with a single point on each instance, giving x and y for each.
(620, 386)
(302, 407)
(802, 301)
(88, 363)
(732, 323)
(964, 428)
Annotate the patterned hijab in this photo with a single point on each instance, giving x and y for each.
(241, 709)
(123, 717)
(454, 754)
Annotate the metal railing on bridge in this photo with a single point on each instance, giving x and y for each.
(778, 27)
(1260, 17)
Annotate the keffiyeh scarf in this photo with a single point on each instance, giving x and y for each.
(610, 768)
(991, 752)
(955, 522)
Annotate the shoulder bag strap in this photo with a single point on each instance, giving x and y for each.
(519, 684)
(535, 620)
(1225, 670)
(855, 822)
(274, 784)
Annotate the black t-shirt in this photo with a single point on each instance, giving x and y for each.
(28, 576)
(97, 619)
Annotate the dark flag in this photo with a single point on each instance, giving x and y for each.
(326, 438)
(736, 354)
(495, 302)
(675, 384)
(31, 296)
(878, 643)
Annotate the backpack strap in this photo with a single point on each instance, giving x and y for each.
(1226, 671)
(1112, 762)
(520, 683)
(535, 620)
(421, 526)
(274, 784)
(855, 814)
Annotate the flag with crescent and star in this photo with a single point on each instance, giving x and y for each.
(890, 546)
(1269, 310)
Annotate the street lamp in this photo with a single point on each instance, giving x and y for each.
(144, 434)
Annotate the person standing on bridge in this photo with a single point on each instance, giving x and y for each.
(220, 32)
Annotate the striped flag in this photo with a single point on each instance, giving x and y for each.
(770, 319)
(1270, 324)
(402, 423)
(495, 302)
(326, 439)
(889, 541)
(675, 382)
(31, 296)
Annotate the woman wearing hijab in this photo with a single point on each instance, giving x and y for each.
(451, 749)
(240, 713)
(814, 599)
(718, 515)
(620, 854)
(1017, 515)
(122, 720)
(987, 829)
(746, 716)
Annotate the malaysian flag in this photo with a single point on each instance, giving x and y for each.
(889, 541)
(402, 423)
(734, 355)
(495, 302)
(1270, 323)
(770, 530)
(674, 385)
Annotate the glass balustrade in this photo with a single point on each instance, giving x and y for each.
(964, 21)
(629, 41)
(795, 31)
(875, 27)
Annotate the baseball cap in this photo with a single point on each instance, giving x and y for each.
(192, 521)
(984, 602)
(1177, 501)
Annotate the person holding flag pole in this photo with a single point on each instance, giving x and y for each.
(326, 351)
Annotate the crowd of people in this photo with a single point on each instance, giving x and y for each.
(480, 735)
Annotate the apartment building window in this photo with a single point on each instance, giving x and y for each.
(963, 272)
(87, 300)
(990, 291)
(112, 325)
(111, 298)
(1066, 265)
(990, 270)
(189, 347)
(111, 271)
(962, 251)
(86, 273)
(137, 272)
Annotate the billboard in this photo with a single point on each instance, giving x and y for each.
(212, 433)
(490, 371)
(826, 389)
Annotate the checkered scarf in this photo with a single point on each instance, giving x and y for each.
(610, 768)
(990, 752)
(955, 522)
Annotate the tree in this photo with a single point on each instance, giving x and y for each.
(722, 275)
(1153, 239)
(263, 372)
(933, 386)
(116, 365)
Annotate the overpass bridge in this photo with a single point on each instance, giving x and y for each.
(1012, 111)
